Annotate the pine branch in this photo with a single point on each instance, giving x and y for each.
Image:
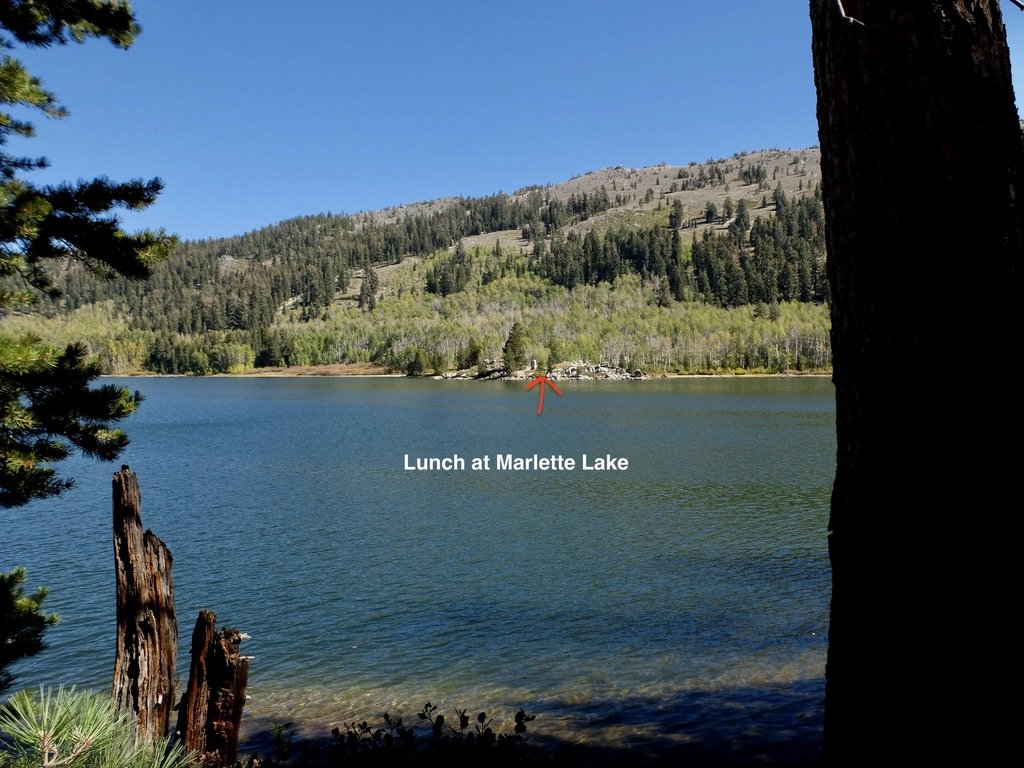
(47, 22)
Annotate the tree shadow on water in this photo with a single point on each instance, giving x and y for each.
(743, 725)
(779, 725)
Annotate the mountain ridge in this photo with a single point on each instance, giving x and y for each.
(806, 160)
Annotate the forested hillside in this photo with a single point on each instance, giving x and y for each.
(709, 267)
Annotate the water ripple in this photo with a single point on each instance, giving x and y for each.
(661, 601)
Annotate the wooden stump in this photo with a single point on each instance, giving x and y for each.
(210, 712)
(147, 627)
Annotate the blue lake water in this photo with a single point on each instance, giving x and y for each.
(685, 598)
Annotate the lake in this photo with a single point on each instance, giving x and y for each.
(683, 600)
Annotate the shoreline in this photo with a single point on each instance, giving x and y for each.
(366, 370)
(776, 721)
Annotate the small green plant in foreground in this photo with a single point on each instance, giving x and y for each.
(77, 730)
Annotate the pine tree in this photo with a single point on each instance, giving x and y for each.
(22, 622)
(418, 364)
(515, 349)
(368, 288)
(46, 403)
(710, 212)
(675, 216)
(741, 223)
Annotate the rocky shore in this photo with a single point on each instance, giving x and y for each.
(573, 370)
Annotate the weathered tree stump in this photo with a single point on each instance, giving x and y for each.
(210, 712)
(147, 627)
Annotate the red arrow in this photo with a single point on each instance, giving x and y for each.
(542, 380)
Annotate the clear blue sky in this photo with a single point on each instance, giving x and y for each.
(255, 111)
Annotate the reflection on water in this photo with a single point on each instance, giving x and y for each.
(687, 595)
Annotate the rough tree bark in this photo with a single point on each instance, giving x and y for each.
(922, 162)
(147, 628)
(210, 712)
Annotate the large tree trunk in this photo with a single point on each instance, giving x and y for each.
(147, 628)
(922, 162)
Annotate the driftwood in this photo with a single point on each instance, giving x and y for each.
(147, 627)
(210, 711)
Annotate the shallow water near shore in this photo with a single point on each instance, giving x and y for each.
(683, 600)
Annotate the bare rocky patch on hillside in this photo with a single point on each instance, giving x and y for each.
(648, 190)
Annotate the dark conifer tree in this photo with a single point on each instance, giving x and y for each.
(46, 403)
(514, 351)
